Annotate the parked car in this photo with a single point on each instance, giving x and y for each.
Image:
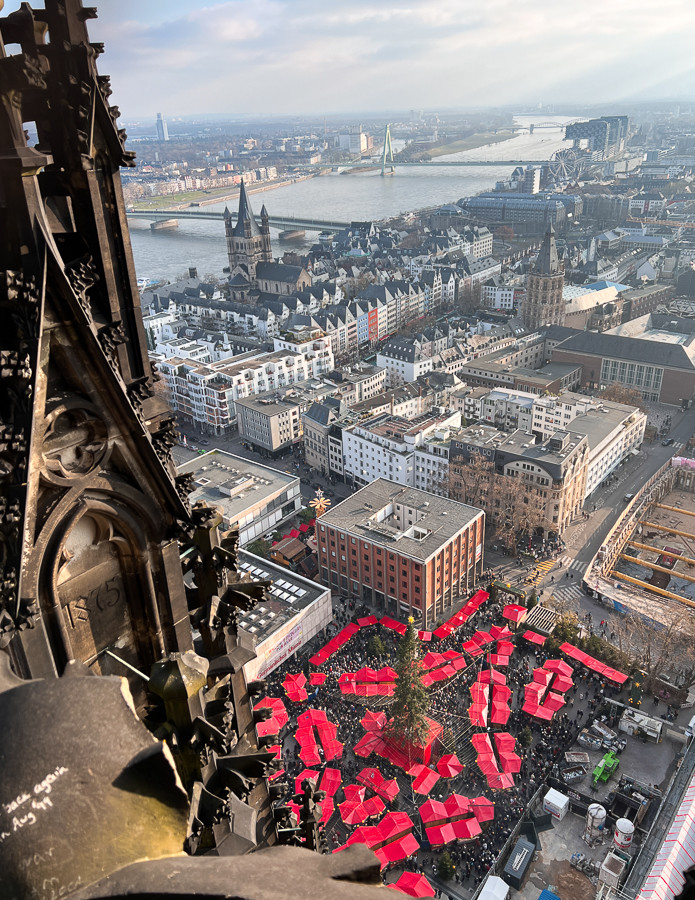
(628, 497)
(203, 442)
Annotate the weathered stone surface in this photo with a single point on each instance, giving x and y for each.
(283, 873)
(84, 788)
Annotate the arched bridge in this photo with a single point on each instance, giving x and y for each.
(284, 223)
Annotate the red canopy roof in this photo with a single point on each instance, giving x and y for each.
(352, 812)
(278, 719)
(492, 675)
(327, 807)
(306, 775)
(317, 678)
(457, 805)
(373, 721)
(394, 625)
(374, 806)
(294, 687)
(330, 781)
(370, 743)
(425, 779)
(449, 766)
(312, 717)
(477, 713)
(441, 834)
(594, 664)
(534, 637)
(366, 621)
(425, 635)
(355, 792)
(433, 812)
(559, 665)
(395, 825)
(514, 612)
(397, 850)
(483, 809)
(309, 755)
(413, 885)
(466, 829)
(499, 632)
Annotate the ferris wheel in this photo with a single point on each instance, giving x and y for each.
(564, 165)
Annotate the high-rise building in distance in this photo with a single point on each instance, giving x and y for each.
(162, 128)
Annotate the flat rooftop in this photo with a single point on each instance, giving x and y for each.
(376, 514)
(298, 394)
(290, 594)
(234, 485)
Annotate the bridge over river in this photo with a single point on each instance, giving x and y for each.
(284, 223)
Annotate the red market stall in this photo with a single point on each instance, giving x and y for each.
(331, 780)
(433, 812)
(373, 779)
(534, 638)
(466, 829)
(449, 766)
(594, 664)
(483, 809)
(440, 835)
(397, 850)
(393, 624)
(294, 687)
(394, 825)
(413, 885)
(424, 779)
(278, 719)
(514, 612)
(457, 806)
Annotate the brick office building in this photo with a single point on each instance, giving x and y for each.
(401, 550)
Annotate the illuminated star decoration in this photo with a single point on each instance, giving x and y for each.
(320, 503)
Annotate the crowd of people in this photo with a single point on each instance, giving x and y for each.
(449, 703)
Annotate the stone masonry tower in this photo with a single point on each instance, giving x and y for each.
(544, 304)
(247, 244)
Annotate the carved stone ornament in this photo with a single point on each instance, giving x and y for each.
(165, 438)
(82, 276)
(75, 441)
(110, 336)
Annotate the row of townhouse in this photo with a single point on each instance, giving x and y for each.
(205, 394)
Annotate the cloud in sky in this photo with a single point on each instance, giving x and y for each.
(313, 56)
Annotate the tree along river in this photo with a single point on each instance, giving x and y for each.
(166, 254)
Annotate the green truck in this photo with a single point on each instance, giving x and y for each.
(607, 767)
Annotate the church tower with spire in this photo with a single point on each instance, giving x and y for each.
(544, 304)
(247, 244)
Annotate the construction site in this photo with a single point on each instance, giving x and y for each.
(648, 560)
(659, 555)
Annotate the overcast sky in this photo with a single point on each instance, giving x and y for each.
(324, 56)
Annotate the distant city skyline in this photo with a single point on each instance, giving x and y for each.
(284, 57)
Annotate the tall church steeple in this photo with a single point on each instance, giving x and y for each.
(544, 303)
(247, 244)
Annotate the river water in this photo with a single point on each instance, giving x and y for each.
(168, 254)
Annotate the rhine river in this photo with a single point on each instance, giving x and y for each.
(165, 255)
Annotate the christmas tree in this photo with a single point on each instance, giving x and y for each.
(410, 700)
